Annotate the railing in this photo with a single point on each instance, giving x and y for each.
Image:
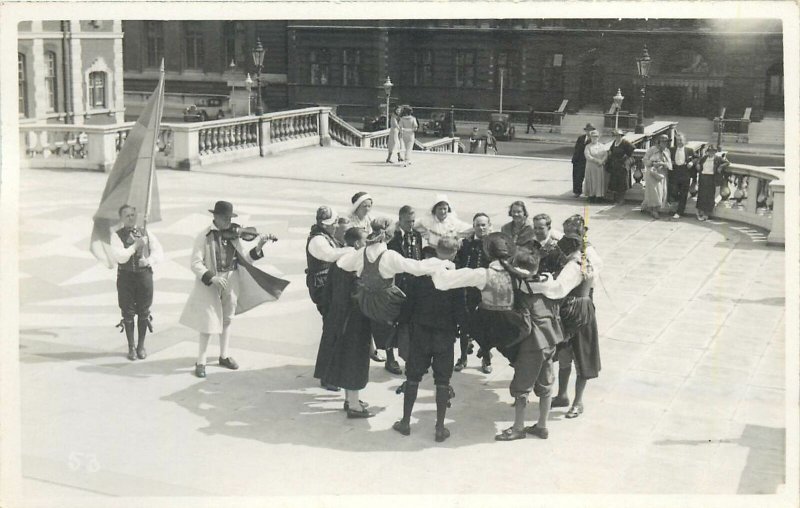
(182, 146)
(344, 133)
(82, 146)
(749, 194)
(446, 145)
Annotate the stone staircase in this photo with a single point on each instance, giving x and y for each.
(770, 130)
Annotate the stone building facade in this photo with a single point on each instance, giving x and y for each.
(70, 72)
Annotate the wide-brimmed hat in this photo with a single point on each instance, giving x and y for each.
(618, 131)
(223, 208)
(589, 127)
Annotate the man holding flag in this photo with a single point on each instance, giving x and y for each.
(135, 251)
(131, 186)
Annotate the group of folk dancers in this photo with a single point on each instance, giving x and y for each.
(411, 285)
(419, 285)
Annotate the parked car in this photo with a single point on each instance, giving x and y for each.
(375, 123)
(500, 125)
(194, 114)
(434, 126)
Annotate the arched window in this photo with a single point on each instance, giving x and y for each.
(51, 80)
(22, 80)
(97, 89)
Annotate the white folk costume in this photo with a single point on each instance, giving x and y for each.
(208, 309)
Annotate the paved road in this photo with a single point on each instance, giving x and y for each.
(689, 401)
(561, 149)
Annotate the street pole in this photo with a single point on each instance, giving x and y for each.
(388, 96)
(501, 90)
(640, 123)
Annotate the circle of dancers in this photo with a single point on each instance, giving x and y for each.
(420, 284)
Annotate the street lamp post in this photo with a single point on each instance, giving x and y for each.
(248, 84)
(387, 87)
(617, 105)
(643, 69)
(258, 60)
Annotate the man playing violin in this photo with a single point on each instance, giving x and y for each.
(226, 282)
(135, 251)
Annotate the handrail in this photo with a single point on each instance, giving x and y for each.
(345, 125)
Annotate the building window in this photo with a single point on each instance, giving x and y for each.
(465, 69)
(508, 63)
(423, 67)
(234, 40)
(97, 89)
(351, 67)
(194, 44)
(155, 43)
(320, 60)
(22, 81)
(51, 80)
(553, 73)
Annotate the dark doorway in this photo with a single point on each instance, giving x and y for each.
(773, 96)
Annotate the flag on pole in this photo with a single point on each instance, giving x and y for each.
(132, 180)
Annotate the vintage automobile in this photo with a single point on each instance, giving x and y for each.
(374, 123)
(500, 125)
(438, 125)
(194, 114)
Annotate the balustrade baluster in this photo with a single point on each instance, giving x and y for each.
(201, 138)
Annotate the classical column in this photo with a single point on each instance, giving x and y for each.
(118, 104)
(78, 87)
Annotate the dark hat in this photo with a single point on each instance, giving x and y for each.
(617, 131)
(223, 208)
(589, 127)
(662, 137)
(498, 246)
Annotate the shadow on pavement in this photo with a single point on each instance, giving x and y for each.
(763, 472)
(284, 405)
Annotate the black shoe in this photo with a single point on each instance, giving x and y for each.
(141, 353)
(228, 362)
(352, 413)
(402, 427)
(541, 433)
(393, 367)
(199, 370)
(510, 435)
(329, 387)
(461, 364)
(347, 404)
(131, 353)
(441, 434)
(560, 401)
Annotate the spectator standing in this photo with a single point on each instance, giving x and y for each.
(579, 160)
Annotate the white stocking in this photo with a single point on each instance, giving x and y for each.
(202, 347)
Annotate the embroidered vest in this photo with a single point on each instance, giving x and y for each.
(498, 294)
(318, 266)
(128, 237)
(224, 252)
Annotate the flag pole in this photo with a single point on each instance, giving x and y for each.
(159, 111)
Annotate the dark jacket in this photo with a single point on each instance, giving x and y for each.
(578, 156)
(432, 307)
(687, 152)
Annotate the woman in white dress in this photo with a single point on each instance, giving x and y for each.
(393, 144)
(594, 183)
(408, 126)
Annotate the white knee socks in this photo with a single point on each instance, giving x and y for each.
(224, 339)
(202, 347)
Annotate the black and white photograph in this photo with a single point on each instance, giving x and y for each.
(399, 254)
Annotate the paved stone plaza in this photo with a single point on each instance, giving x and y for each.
(690, 399)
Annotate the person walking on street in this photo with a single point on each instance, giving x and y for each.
(393, 144)
(679, 179)
(408, 126)
(531, 117)
(594, 183)
(579, 160)
(136, 251)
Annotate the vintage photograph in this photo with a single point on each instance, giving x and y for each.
(313, 259)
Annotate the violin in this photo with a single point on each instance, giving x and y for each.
(248, 234)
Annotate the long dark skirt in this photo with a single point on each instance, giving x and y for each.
(496, 329)
(343, 356)
(706, 194)
(580, 328)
